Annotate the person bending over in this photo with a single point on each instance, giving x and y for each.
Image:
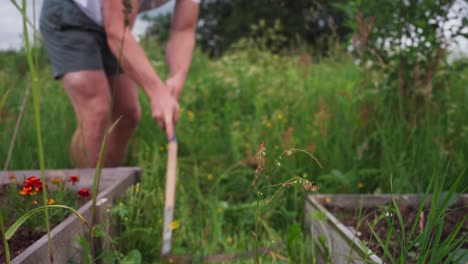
(99, 63)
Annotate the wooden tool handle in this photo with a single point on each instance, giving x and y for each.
(170, 196)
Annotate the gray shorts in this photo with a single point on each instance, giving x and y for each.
(73, 41)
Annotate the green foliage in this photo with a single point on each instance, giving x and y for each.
(247, 96)
(225, 22)
(159, 29)
(406, 42)
(229, 106)
(133, 257)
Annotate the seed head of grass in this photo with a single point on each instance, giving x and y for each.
(261, 157)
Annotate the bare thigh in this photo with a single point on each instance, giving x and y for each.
(89, 94)
(125, 95)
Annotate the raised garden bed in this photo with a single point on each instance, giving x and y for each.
(114, 183)
(341, 223)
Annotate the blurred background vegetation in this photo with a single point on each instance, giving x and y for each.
(407, 96)
(365, 86)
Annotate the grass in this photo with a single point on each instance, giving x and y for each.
(229, 106)
(428, 246)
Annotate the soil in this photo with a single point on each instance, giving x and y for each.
(19, 243)
(350, 218)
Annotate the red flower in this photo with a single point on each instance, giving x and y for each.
(33, 180)
(31, 186)
(83, 192)
(74, 178)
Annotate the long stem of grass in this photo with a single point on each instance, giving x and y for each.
(15, 132)
(37, 119)
(31, 24)
(109, 127)
(5, 241)
(257, 232)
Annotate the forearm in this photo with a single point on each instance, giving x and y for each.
(181, 42)
(133, 60)
(179, 53)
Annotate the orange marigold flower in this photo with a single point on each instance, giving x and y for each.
(56, 180)
(12, 176)
(83, 192)
(34, 202)
(24, 191)
(29, 190)
(74, 179)
(51, 201)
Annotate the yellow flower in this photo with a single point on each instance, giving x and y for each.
(34, 202)
(51, 201)
(327, 199)
(220, 210)
(210, 177)
(190, 115)
(137, 188)
(360, 185)
(125, 219)
(174, 224)
(229, 240)
(280, 116)
(268, 124)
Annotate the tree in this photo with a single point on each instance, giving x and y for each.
(225, 22)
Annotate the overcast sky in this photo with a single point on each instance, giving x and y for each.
(11, 25)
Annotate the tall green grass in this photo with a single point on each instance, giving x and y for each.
(428, 246)
(233, 103)
(229, 106)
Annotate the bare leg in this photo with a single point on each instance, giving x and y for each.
(126, 112)
(90, 96)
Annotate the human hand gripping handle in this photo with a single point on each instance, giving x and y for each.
(165, 110)
(176, 84)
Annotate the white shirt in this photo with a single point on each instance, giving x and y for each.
(93, 8)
